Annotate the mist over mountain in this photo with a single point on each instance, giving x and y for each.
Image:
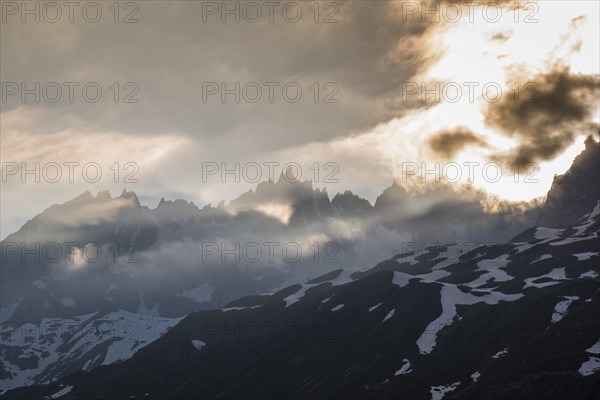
(163, 264)
(463, 320)
(111, 253)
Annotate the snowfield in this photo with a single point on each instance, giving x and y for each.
(561, 308)
(55, 345)
(438, 392)
(405, 369)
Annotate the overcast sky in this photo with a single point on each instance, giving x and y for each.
(333, 83)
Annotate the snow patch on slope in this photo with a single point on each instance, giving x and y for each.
(404, 369)
(492, 271)
(590, 367)
(556, 275)
(501, 353)
(300, 293)
(54, 345)
(451, 296)
(62, 392)
(542, 258)
(401, 279)
(438, 392)
(198, 344)
(595, 349)
(585, 256)
(389, 315)
(560, 310)
(542, 233)
(200, 294)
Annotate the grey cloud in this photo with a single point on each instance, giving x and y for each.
(448, 143)
(440, 213)
(170, 52)
(547, 116)
(501, 36)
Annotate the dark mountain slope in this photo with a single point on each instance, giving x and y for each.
(575, 193)
(516, 321)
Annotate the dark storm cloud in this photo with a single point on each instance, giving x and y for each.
(548, 114)
(448, 143)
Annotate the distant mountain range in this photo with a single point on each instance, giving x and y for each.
(470, 304)
(149, 258)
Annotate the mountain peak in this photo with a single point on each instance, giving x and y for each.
(104, 195)
(130, 195)
(288, 176)
(177, 204)
(87, 195)
(575, 193)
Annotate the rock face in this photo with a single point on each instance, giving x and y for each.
(575, 193)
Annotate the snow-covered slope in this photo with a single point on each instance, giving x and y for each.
(54, 347)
